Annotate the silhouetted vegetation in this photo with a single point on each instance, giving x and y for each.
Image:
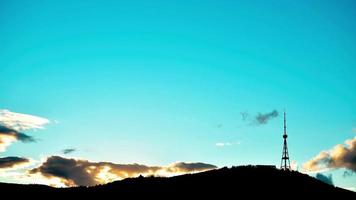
(233, 183)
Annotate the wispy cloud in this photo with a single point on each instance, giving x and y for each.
(74, 172)
(264, 118)
(226, 144)
(340, 156)
(348, 173)
(223, 144)
(68, 151)
(259, 118)
(245, 116)
(13, 124)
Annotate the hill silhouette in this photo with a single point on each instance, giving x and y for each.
(233, 183)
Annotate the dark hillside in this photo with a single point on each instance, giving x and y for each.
(235, 183)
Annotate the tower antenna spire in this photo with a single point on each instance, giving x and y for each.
(285, 163)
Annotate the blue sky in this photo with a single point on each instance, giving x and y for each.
(155, 82)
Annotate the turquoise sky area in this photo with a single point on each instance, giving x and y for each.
(156, 82)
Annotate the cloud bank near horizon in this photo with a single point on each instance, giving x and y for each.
(77, 172)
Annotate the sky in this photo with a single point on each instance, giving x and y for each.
(169, 83)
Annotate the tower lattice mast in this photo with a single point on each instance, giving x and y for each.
(285, 163)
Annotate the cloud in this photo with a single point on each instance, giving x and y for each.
(21, 122)
(244, 115)
(13, 124)
(264, 118)
(340, 156)
(8, 136)
(326, 179)
(348, 173)
(18, 135)
(12, 162)
(69, 150)
(76, 172)
(294, 165)
(182, 167)
(223, 144)
(259, 118)
(227, 144)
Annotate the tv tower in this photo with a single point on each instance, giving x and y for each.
(285, 163)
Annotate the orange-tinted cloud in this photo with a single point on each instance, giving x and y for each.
(340, 156)
(75, 172)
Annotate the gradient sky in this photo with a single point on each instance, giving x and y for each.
(155, 82)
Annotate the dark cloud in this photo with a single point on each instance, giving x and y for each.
(326, 179)
(340, 156)
(25, 138)
(18, 135)
(69, 150)
(4, 129)
(264, 118)
(8, 136)
(73, 172)
(11, 162)
(259, 118)
(348, 173)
